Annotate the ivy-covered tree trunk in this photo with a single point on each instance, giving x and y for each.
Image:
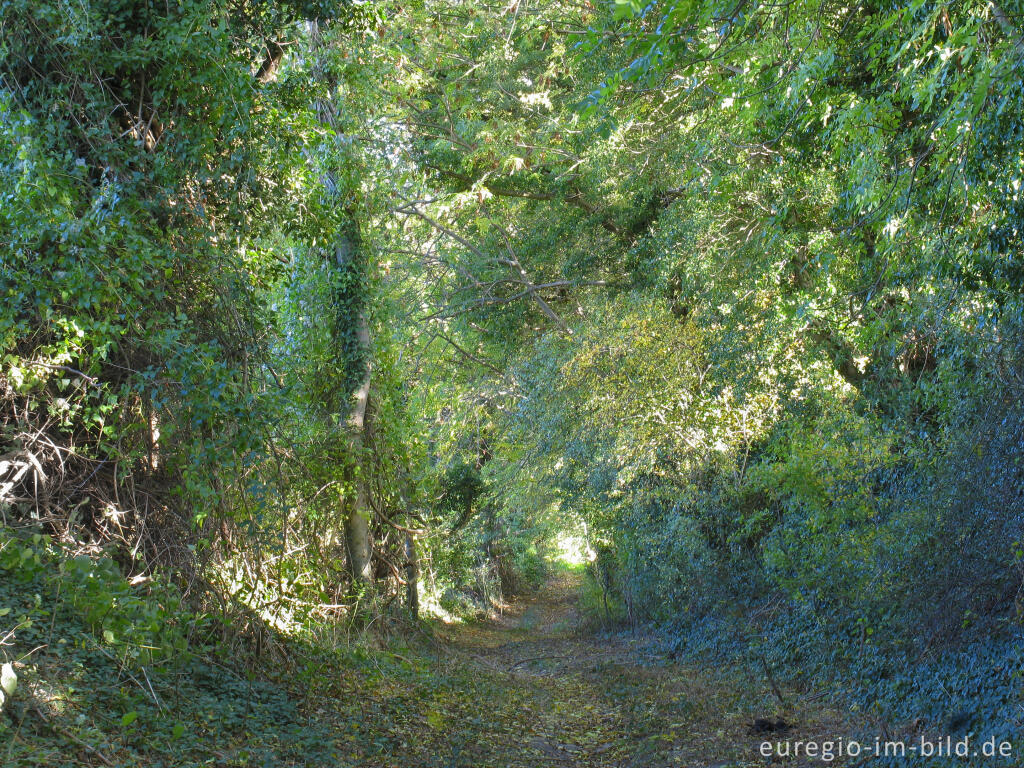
(357, 508)
(412, 575)
(351, 329)
(357, 537)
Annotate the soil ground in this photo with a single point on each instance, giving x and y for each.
(531, 688)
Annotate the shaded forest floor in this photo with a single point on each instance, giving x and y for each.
(530, 688)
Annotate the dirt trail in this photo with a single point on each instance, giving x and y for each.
(568, 697)
(579, 699)
(531, 689)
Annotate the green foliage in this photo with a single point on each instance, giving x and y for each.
(84, 638)
(140, 625)
(180, 337)
(461, 486)
(731, 292)
(805, 346)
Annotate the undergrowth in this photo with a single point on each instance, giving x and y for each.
(121, 674)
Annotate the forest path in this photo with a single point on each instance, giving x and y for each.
(529, 688)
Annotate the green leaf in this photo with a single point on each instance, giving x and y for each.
(627, 9)
(129, 718)
(981, 85)
(8, 679)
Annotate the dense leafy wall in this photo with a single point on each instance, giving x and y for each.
(765, 342)
(180, 344)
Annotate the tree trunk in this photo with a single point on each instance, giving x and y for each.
(357, 512)
(357, 538)
(412, 575)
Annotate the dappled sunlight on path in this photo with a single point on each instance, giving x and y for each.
(529, 688)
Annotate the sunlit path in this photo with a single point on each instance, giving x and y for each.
(530, 687)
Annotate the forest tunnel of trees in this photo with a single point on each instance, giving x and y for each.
(322, 320)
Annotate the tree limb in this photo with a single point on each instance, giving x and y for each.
(271, 62)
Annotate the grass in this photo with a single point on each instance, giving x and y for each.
(529, 687)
